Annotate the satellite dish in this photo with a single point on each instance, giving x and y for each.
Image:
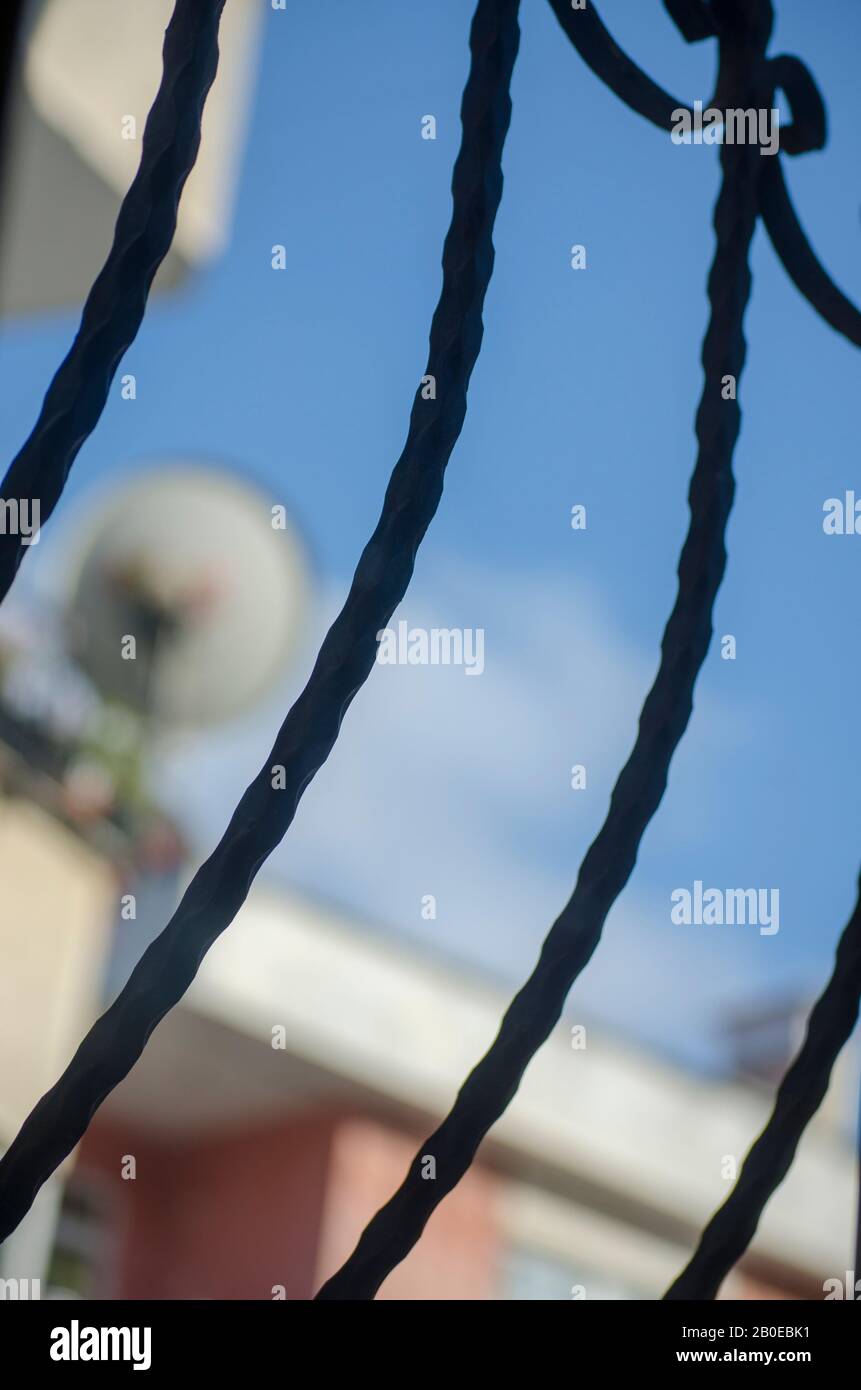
(209, 580)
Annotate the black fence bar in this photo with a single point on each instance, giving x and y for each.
(801, 1092)
(610, 860)
(116, 303)
(857, 1264)
(346, 658)
(11, 24)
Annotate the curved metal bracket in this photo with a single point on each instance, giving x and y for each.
(611, 64)
(799, 259)
(808, 130)
(693, 19)
(809, 127)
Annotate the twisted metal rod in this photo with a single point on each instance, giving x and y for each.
(857, 1264)
(734, 1224)
(115, 305)
(346, 657)
(11, 23)
(698, 19)
(536, 1009)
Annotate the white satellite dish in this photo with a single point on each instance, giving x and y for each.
(208, 579)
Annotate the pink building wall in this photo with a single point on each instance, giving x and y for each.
(234, 1213)
(458, 1254)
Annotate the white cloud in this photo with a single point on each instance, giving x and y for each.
(459, 787)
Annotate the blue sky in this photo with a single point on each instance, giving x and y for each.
(585, 391)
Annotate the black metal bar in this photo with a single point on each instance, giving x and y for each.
(346, 658)
(609, 862)
(11, 23)
(857, 1265)
(733, 1226)
(115, 306)
(805, 132)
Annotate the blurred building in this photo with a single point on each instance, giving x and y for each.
(88, 66)
(277, 1108)
(69, 848)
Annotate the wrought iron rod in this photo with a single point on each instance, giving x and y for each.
(857, 1261)
(11, 24)
(806, 131)
(536, 1009)
(116, 303)
(733, 1226)
(857, 1265)
(346, 657)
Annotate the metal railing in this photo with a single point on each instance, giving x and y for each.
(751, 187)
